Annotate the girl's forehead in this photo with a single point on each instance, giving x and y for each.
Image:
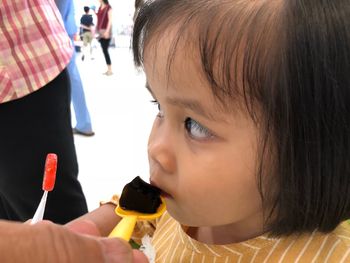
(173, 68)
(173, 57)
(173, 41)
(228, 56)
(179, 73)
(175, 61)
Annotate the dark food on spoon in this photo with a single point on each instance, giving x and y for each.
(140, 196)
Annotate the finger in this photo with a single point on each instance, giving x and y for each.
(84, 227)
(139, 257)
(27, 222)
(116, 250)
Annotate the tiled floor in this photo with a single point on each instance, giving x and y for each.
(122, 116)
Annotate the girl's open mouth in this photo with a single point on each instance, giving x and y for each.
(165, 194)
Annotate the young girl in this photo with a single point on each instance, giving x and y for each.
(251, 144)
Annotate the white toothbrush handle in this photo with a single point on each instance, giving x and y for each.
(39, 213)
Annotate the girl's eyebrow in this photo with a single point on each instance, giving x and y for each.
(192, 105)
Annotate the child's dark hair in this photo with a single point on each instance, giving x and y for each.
(86, 9)
(289, 63)
(138, 4)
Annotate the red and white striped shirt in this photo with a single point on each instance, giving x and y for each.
(34, 46)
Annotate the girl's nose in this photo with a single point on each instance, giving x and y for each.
(161, 149)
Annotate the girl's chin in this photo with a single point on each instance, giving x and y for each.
(179, 216)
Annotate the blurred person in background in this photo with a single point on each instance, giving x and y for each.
(83, 121)
(104, 30)
(87, 30)
(35, 112)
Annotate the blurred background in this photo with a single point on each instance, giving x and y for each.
(120, 109)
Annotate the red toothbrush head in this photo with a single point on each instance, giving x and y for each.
(50, 172)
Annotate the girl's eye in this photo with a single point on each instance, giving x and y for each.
(196, 130)
(160, 112)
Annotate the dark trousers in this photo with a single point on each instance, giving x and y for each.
(105, 44)
(32, 127)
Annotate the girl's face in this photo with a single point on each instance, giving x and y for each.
(202, 158)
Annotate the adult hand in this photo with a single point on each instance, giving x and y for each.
(47, 242)
(85, 226)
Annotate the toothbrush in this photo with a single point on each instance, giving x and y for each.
(48, 185)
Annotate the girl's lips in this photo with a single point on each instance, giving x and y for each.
(162, 192)
(165, 194)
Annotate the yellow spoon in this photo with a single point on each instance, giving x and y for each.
(126, 226)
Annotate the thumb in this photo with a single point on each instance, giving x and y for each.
(116, 250)
(139, 257)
